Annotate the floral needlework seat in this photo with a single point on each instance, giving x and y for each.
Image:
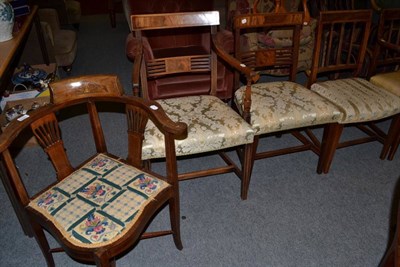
(98, 202)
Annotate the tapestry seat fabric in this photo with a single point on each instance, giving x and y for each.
(212, 125)
(99, 202)
(359, 99)
(389, 81)
(278, 106)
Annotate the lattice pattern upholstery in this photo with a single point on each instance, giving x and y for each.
(389, 81)
(359, 99)
(98, 202)
(212, 125)
(278, 106)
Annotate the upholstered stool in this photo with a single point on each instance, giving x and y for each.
(389, 81)
(98, 202)
(278, 106)
(212, 125)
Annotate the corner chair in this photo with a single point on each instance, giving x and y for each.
(99, 209)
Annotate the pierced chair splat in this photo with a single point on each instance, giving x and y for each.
(212, 125)
(98, 210)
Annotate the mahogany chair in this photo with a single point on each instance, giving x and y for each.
(212, 125)
(341, 43)
(275, 108)
(98, 210)
(183, 40)
(384, 67)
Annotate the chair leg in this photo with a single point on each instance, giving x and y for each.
(392, 140)
(101, 258)
(247, 168)
(174, 215)
(43, 244)
(330, 141)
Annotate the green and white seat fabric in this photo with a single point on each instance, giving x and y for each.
(99, 202)
(212, 125)
(359, 99)
(279, 106)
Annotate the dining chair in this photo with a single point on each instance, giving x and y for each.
(213, 127)
(99, 209)
(276, 107)
(341, 44)
(384, 69)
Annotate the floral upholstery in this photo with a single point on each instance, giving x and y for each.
(389, 81)
(278, 106)
(212, 125)
(98, 202)
(279, 38)
(359, 99)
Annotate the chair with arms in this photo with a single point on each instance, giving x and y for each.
(98, 210)
(282, 106)
(384, 67)
(159, 43)
(341, 44)
(212, 125)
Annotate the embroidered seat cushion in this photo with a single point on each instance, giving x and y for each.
(359, 99)
(389, 81)
(99, 202)
(212, 125)
(278, 106)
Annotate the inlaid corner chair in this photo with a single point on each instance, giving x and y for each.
(213, 127)
(275, 108)
(385, 63)
(341, 43)
(98, 210)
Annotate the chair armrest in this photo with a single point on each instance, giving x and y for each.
(251, 75)
(390, 46)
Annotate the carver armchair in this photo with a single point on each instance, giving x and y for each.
(276, 108)
(161, 43)
(341, 44)
(98, 209)
(212, 125)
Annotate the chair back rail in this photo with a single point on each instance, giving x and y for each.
(197, 62)
(341, 43)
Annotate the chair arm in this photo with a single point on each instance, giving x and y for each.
(251, 75)
(390, 46)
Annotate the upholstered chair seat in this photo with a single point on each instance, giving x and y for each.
(389, 81)
(213, 126)
(359, 99)
(110, 196)
(279, 106)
